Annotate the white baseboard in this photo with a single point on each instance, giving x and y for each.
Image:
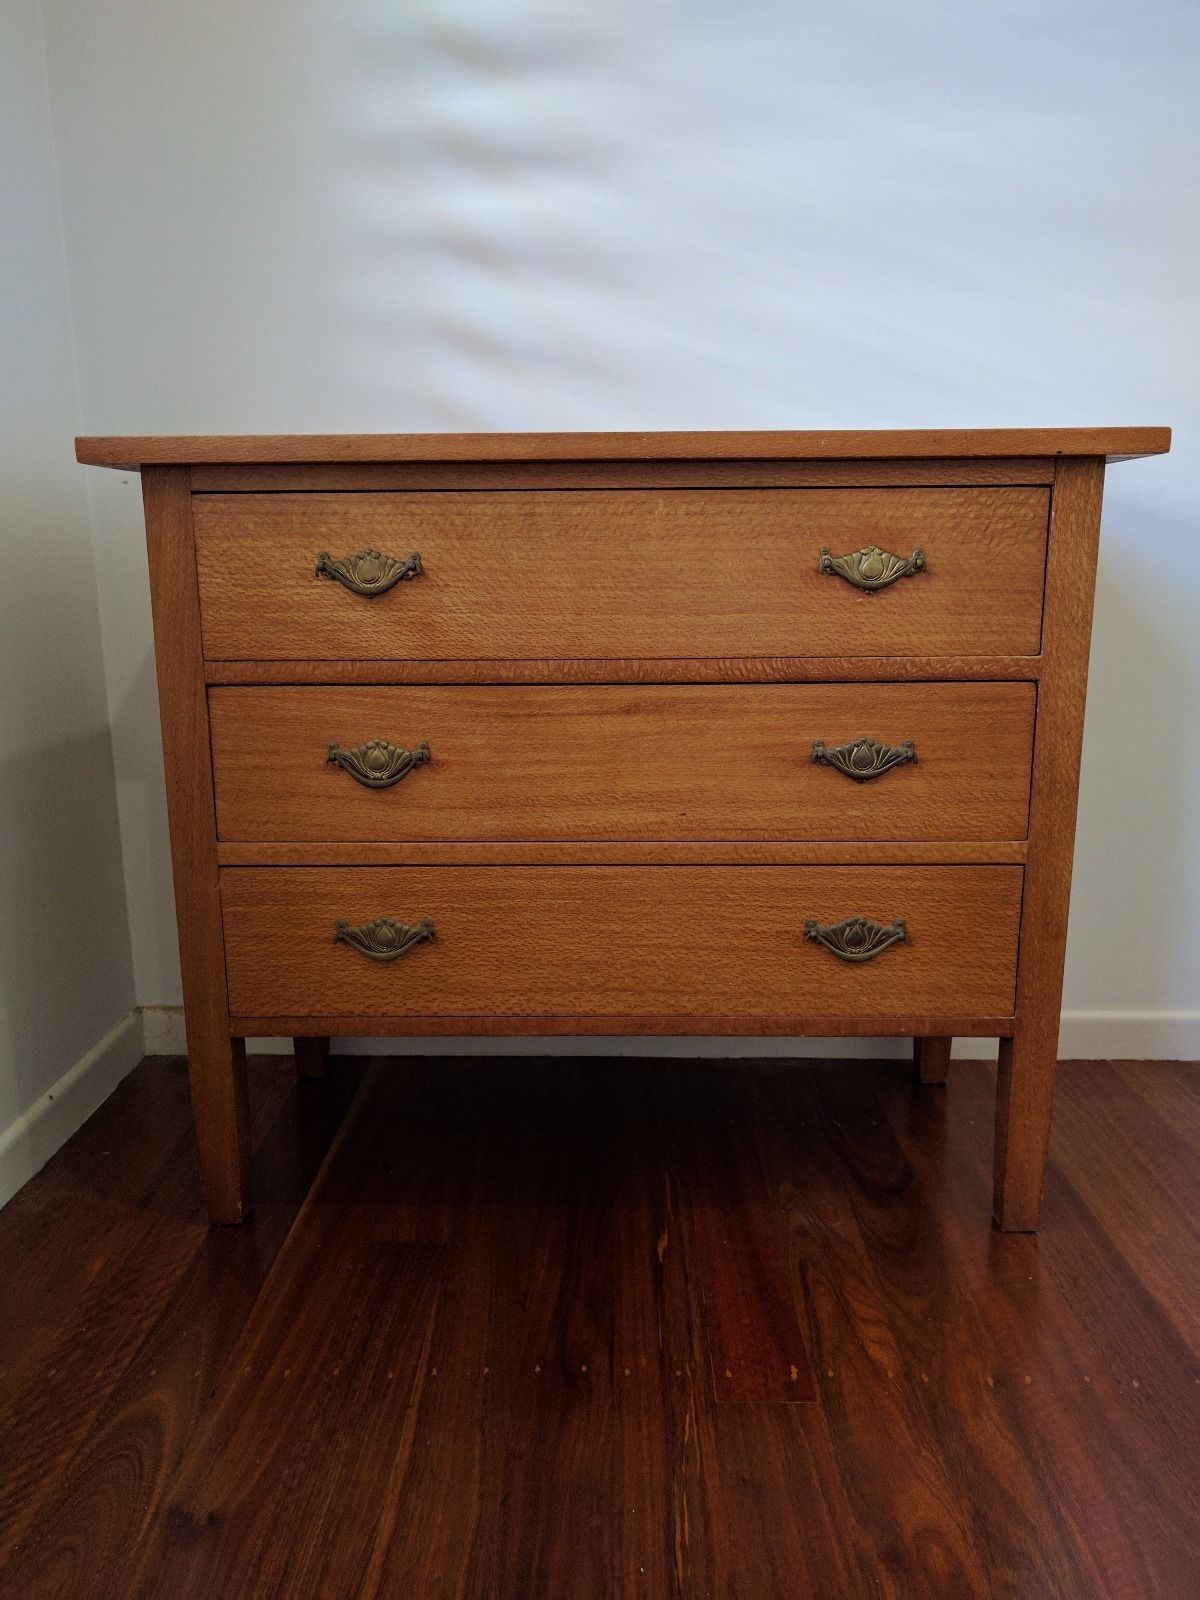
(1129, 1036)
(1112, 1036)
(1083, 1036)
(29, 1142)
(163, 1032)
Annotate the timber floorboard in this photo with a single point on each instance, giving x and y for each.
(579, 1329)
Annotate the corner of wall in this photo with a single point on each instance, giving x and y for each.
(29, 1142)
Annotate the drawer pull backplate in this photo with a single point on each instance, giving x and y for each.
(378, 764)
(385, 938)
(871, 568)
(369, 572)
(857, 938)
(863, 758)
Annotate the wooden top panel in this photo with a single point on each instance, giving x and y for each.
(131, 453)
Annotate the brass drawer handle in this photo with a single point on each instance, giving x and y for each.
(385, 938)
(368, 572)
(862, 759)
(857, 938)
(871, 568)
(378, 764)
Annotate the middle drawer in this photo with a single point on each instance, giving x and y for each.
(625, 762)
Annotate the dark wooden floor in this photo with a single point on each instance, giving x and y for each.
(607, 1329)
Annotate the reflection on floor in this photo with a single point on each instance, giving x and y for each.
(595, 1329)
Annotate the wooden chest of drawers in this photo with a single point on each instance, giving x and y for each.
(771, 733)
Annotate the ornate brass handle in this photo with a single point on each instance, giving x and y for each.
(378, 764)
(368, 572)
(871, 568)
(857, 938)
(862, 759)
(385, 938)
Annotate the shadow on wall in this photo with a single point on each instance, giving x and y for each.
(539, 230)
(137, 749)
(1137, 873)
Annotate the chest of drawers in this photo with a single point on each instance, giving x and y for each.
(769, 733)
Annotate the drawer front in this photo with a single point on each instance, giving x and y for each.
(609, 574)
(619, 941)
(694, 762)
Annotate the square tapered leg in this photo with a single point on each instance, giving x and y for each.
(312, 1057)
(931, 1059)
(1024, 1100)
(220, 1111)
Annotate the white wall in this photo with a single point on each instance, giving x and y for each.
(66, 973)
(356, 215)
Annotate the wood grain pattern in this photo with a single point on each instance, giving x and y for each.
(755, 1345)
(624, 852)
(616, 635)
(96, 1200)
(657, 573)
(1098, 1382)
(155, 1234)
(217, 1060)
(619, 941)
(731, 1024)
(319, 1409)
(122, 1433)
(637, 669)
(1025, 1090)
(830, 1184)
(529, 1244)
(743, 474)
(676, 763)
(838, 444)
(1149, 1223)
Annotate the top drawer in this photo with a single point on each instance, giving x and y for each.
(603, 574)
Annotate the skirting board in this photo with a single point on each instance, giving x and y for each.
(1083, 1036)
(29, 1142)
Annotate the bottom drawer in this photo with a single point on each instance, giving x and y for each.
(659, 941)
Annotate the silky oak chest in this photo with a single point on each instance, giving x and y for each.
(691, 733)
